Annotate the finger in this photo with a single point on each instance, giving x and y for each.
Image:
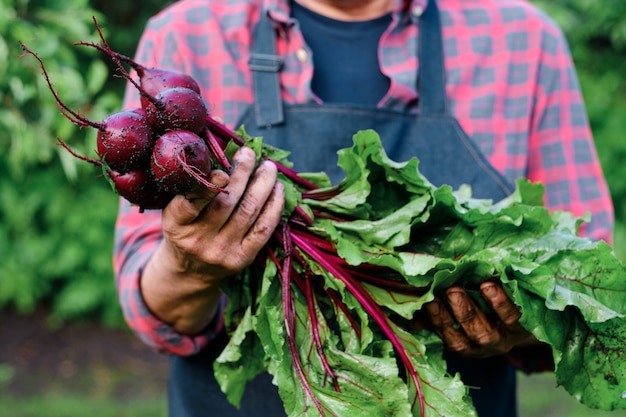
(223, 205)
(474, 323)
(267, 220)
(501, 304)
(259, 192)
(186, 209)
(445, 326)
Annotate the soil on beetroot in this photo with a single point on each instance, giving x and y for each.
(84, 358)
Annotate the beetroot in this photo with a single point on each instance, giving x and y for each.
(144, 168)
(155, 80)
(171, 99)
(124, 138)
(139, 188)
(151, 80)
(177, 108)
(180, 161)
(126, 141)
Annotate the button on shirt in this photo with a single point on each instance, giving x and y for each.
(510, 83)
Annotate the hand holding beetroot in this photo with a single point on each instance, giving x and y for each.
(169, 154)
(207, 236)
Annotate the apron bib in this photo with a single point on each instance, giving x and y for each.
(314, 133)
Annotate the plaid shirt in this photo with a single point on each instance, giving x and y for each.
(510, 83)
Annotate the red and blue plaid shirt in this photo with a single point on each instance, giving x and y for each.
(510, 82)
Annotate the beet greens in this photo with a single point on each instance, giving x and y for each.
(355, 272)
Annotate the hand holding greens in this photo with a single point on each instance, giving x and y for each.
(328, 310)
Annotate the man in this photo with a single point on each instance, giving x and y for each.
(482, 92)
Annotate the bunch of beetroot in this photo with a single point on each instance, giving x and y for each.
(158, 150)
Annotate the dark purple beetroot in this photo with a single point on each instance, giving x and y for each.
(151, 80)
(180, 161)
(140, 188)
(177, 109)
(137, 186)
(154, 81)
(112, 131)
(127, 140)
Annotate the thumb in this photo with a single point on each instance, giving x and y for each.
(186, 208)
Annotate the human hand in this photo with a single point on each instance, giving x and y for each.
(208, 236)
(468, 331)
(211, 234)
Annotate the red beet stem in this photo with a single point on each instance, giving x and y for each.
(373, 309)
(217, 150)
(70, 114)
(117, 59)
(81, 157)
(289, 320)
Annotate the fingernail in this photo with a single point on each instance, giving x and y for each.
(456, 297)
(490, 291)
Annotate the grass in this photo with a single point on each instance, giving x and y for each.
(98, 391)
(68, 404)
(539, 397)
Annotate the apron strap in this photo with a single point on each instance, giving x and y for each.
(431, 83)
(265, 65)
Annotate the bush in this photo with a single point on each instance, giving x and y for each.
(56, 217)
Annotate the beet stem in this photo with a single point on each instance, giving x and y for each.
(337, 302)
(81, 157)
(306, 287)
(70, 114)
(221, 131)
(217, 150)
(117, 59)
(289, 318)
(369, 305)
(140, 69)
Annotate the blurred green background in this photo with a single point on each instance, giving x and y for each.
(57, 215)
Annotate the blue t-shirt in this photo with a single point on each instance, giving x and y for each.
(348, 72)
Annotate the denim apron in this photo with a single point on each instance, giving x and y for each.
(314, 133)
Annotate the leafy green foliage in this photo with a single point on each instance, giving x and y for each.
(56, 215)
(56, 244)
(420, 242)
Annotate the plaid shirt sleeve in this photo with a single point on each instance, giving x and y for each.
(562, 155)
(514, 89)
(136, 237)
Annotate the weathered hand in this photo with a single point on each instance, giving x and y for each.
(209, 236)
(218, 234)
(467, 330)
